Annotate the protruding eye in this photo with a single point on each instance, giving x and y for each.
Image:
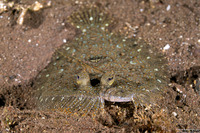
(109, 79)
(83, 78)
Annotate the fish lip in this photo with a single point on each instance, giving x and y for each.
(110, 98)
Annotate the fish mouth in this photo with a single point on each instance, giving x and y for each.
(108, 96)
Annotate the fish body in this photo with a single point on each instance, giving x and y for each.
(140, 72)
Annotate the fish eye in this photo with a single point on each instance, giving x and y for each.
(78, 77)
(110, 78)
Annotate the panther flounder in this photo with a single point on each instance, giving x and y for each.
(100, 65)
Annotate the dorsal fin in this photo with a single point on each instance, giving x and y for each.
(92, 16)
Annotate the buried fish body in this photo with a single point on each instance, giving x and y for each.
(99, 65)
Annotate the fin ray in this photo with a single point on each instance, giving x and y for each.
(90, 15)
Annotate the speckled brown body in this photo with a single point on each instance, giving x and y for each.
(140, 71)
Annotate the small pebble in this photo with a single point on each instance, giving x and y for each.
(168, 7)
(174, 113)
(166, 47)
(64, 40)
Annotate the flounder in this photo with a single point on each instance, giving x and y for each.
(100, 65)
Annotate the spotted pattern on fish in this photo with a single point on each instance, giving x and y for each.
(140, 71)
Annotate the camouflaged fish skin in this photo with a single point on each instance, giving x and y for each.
(140, 71)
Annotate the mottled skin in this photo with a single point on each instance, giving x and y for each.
(128, 69)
